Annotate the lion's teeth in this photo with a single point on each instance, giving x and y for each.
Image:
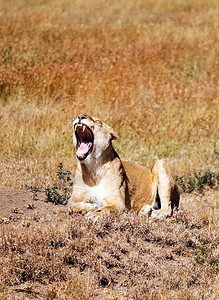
(77, 125)
(84, 127)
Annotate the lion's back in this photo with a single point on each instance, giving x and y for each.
(141, 185)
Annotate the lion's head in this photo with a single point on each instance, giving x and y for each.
(91, 136)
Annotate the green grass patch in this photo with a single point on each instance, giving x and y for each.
(197, 182)
(60, 191)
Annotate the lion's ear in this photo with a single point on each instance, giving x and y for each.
(114, 135)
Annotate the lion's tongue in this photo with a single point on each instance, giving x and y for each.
(82, 149)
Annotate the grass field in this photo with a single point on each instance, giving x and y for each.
(147, 68)
(47, 254)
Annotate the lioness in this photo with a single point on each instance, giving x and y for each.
(103, 183)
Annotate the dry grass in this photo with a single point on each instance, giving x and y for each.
(56, 256)
(149, 69)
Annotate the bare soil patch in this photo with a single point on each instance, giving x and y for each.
(47, 254)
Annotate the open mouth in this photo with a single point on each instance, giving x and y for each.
(85, 138)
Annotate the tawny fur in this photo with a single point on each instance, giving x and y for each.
(103, 183)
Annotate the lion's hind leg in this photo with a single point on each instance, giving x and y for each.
(167, 192)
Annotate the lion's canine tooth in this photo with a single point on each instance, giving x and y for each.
(77, 125)
(84, 127)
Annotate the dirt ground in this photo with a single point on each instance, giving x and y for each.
(47, 254)
(20, 206)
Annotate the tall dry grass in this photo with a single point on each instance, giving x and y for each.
(147, 68)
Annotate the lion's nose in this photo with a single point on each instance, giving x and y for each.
(81, 117)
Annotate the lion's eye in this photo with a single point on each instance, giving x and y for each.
(98, 123)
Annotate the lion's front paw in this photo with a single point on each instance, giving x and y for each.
(161, 214)
(81, 208)
(76, 209)
(70, 210)
(93, 215)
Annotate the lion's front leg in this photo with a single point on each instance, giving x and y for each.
(99, 213)
(82, 207)
(80, 204)
(104, 211)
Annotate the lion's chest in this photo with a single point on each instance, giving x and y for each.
(102, 193)
(97, 194)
